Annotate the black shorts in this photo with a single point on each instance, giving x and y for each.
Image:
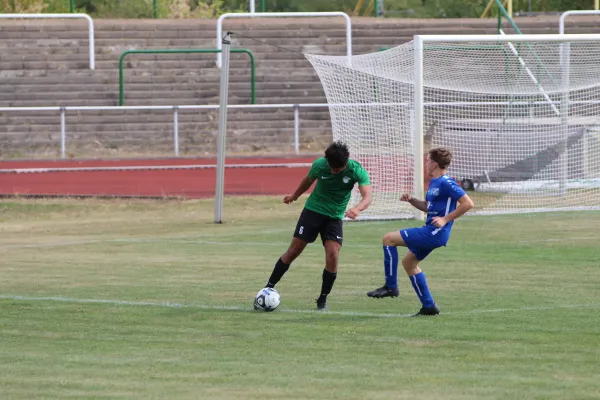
(311, 224)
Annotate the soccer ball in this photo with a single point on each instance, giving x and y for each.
(267, 299)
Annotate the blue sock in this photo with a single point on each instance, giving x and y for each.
(420, 285)
(390, 266)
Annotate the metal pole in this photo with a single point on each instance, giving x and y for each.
(418, 126)
(565, 48)
(63, 134)
(296, 128)
(176, 130)
(252, 6)
(72, 6)
(263, 6)
(155, 6)
(220, 187)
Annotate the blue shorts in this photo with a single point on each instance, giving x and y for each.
(422, 241)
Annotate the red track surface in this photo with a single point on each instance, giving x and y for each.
(193, 183)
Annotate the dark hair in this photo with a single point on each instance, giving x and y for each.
(337, 155)
(441, 156)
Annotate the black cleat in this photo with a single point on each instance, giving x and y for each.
(321, 304)
(428, 311)
(384, 291)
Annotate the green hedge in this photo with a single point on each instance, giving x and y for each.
(214, 8)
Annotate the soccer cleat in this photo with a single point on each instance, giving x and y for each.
(384, 291)
(428, 311)
(321, 304)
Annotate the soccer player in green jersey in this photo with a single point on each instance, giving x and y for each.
(336, 175)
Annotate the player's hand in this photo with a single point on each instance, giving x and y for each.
(289, 199)
(352, 213)
(439, 222)
(406, 197)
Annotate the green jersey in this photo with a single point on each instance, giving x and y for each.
(332, 192)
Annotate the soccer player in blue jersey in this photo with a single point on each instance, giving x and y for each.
(445, 201)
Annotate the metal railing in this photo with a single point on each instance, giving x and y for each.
(60, 16)
(175, 109)
(563, 17)
(285, 14)
(185, 51)
(295, 107)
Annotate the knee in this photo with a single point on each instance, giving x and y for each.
(410, 266)
(332, 256)
(388, 239)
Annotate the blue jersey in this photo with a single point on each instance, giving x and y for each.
(442, 196)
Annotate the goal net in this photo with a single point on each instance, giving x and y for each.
(521, 114)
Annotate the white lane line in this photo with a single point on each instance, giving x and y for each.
(284, 310)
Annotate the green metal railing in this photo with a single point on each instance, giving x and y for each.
(503, 13)
(72, 6)
(184, 51)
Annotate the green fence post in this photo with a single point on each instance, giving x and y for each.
(262, 5)
(171, 51)
(72, 6)
(155, 9)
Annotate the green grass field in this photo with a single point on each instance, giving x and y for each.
(151, 300)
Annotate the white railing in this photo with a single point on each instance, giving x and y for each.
(60, 16)
(563, 16)
(285, 14)
(295, 107)
(175, 109)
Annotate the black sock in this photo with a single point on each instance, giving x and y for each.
(328, 279)
(280, 269)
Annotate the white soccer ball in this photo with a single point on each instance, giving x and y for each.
(267, 299)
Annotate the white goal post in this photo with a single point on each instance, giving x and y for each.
(520, 112)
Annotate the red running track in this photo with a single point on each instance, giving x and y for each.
(280, 179)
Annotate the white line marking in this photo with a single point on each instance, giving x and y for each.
(284, 310)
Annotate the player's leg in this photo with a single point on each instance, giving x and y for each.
(286, 259)
(390, 266)
(410, 262)
(332, 235)
(306, 232)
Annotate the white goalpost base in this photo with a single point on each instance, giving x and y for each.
(521, 114)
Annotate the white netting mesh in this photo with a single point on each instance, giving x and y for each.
(497, 106)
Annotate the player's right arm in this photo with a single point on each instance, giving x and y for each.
(304, 185)
(416, 203)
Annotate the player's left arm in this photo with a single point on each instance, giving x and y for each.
(364, 186)
(363, 204)
(464, 204)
